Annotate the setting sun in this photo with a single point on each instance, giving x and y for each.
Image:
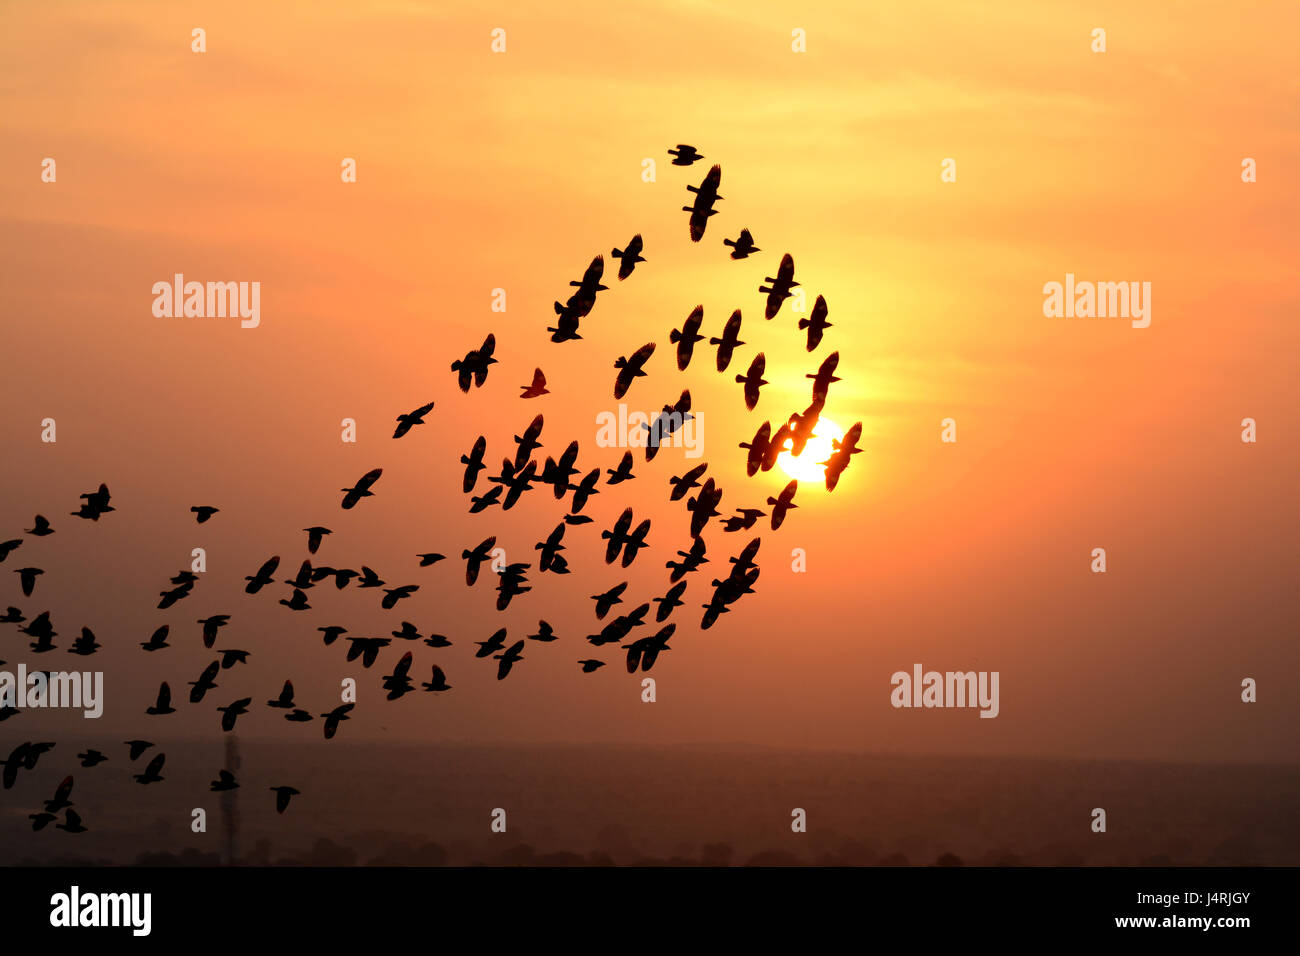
(808, 465)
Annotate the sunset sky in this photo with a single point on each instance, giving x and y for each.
(478, 171)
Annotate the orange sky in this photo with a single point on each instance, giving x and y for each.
(478, 171)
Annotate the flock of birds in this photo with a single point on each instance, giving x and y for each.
(519, 474)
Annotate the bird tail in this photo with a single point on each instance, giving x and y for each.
(675, 335)
(617, 254)
(804, 323)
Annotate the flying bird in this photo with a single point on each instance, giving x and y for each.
(729, 341)
(158, 640)
(684, 483)
(233, 711)
(153, 772)
(844, 450)
(538, 388)
(685, 155)
(41, 528)
(163, 705)
(743, 246)
(333, 717)
(780, 286)
(687, 336)
(225, 781)
(628, 257)
(816, 323)
(263, 577)
(753, 380)
(314, 536)
(408, 421)
(282, 797)
(782, 504)
(438, 683)
(203, 512)
(475, 364)
(27, 579)
(473, 463)
(528, 442)
(211, 625)
(706, 194)
(508, 658)
(623, 472)
(361, 490)
(631, 368)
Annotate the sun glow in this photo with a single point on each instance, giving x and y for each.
(807, 467)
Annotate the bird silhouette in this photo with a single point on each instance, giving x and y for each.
(644, 651)
(496, 642)
(72, 821)
(361, 490)
(203, 512)
(285, 700)
(314, 536)
(475, 364)
(545, 633)
(41, 528)
(589, 666)
(669, 601)
(686, 337)
(684, 483)
(90, 758)
(393, 595)
(438, 683)
(408, 421)
(607, 599)
(729, 342)
(685, 155)
(628, 257)
(211, 625)
(158, 640)
(163, 705)
(704, 506)
(475, 557)
(623, 472)
(8, 547)
(538, 387)
(753, 380)
(473, 463)
(631, 368)
(136, 747)
(783, 503)
(233, 711)
(816, 323)
(60, 799)
(205, 683)
(283, 795)
(778, 289)
(366, 648)
(27, 579)
(334, 717)
(843, 451)
(85, 645)
(153, 772)
(587, 487)
(742, 246)
(706, 194)
(263, 577)
(95, 504)
(758, 448)
(399, 682)
(508, 659)
(225, 781)
(528, 442)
